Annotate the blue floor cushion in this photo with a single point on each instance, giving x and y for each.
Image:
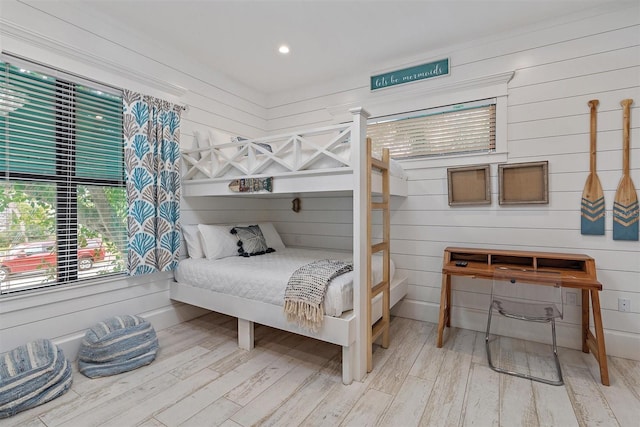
(31, 375)
(117, 345)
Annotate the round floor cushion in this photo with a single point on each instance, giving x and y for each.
(31, 375)
(117, 345)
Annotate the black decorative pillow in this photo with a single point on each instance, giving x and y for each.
(251, 241)
(265, 146)
(238, 139)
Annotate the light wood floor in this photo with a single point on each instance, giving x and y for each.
(201, 378)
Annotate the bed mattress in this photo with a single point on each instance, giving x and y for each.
(264, 278)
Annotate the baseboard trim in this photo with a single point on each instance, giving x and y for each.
(618, 344)
(160, 318)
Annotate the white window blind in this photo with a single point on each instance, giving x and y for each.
(461, 128)
(62, 196)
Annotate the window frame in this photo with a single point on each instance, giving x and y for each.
(442, 111)
(66, 200)
(446, 91)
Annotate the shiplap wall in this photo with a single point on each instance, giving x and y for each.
(71, 38)
(558, 67)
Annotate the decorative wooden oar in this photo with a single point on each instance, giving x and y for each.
(592, 207)
(625, 206)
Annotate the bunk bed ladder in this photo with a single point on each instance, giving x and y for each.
(381, 327)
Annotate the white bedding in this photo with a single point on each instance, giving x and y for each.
(264, 277)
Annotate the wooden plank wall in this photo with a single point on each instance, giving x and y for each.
(558, 67)
(62, 35)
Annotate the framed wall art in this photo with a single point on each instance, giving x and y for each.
(469, 185)
(523, 183)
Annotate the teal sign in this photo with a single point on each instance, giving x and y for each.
(411, 74)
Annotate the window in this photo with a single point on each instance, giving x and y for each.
(454, 129)
(62, 196)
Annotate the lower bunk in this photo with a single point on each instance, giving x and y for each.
(222, 295)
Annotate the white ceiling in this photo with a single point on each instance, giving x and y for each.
(328, 39)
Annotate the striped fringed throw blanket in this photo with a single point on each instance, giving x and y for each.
(306, 288)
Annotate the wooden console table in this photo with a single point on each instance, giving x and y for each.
(575, 270)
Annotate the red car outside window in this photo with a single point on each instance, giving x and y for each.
(31, 257)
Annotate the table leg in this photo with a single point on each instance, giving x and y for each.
(597, 325)
(448, 301)
(585, 320)
(445, 300)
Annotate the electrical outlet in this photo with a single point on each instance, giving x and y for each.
(624, 304)
(572, 298)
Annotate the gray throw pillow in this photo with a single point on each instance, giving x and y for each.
(251, 241)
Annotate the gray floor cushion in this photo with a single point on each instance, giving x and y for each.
(31, 375)
(117, 345)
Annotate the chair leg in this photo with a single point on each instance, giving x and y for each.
(555, 353)
(486, 338)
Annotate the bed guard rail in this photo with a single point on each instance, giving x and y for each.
(322, 148)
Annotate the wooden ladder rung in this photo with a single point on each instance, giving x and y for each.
(378, 329)
(379, 164)
(380, 205)
(379, 288)
(382, 246)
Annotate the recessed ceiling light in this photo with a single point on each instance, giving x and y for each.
(284, 49)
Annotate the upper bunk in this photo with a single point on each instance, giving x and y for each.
(326, 159)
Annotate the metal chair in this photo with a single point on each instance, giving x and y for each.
(513, 297)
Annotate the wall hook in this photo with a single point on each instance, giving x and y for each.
(295, 205)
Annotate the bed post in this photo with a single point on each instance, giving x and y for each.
(245, 334)
(358, 357)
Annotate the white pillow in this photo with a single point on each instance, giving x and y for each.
(208, 167)
(191, 236)
(271, 235)
(202, 141)
(217, 241)
(219, 138)
(197, 144)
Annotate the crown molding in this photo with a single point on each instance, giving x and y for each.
(10, 29)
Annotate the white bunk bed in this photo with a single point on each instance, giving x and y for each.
(330, 159)
(317, 160)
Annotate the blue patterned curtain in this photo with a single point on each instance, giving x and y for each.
(152, 154)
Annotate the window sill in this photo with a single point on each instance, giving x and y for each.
(453, 160)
